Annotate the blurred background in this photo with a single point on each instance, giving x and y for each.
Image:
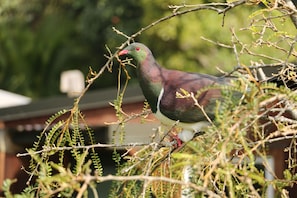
(41, 39)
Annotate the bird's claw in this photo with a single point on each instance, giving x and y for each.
(177, 142)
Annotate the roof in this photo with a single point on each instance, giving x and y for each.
(92, 99)
(9, 99)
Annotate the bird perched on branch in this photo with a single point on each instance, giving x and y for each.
(160, 87)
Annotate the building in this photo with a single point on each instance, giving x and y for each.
(20, 125)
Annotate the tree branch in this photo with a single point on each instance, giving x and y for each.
(148, 179)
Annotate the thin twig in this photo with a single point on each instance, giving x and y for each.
(87, 147)
(149, 179)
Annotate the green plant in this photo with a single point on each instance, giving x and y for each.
(219, 163)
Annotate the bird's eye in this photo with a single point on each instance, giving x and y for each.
(137, 48)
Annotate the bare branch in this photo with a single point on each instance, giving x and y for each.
(148, 179)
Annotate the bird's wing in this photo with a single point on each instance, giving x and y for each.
(184, 109)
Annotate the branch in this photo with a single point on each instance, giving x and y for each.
(148, 179)
(290, 5)
(87, 147)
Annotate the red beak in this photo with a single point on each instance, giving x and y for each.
(123, 52)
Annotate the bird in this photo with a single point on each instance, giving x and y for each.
(160, 87)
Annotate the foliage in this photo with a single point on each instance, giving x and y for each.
(183, 39)
(58, 178)
(222, 161)
(40, 39)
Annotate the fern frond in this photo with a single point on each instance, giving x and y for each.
(97, 163)
(53, 133)
(94, 156)
(48, 123)
(77, 136)
(51, 119)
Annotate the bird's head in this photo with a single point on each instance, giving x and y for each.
(137, 50)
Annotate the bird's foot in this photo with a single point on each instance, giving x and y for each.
(176, 141)
(184, 137)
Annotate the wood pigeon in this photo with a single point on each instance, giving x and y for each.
(160, 87)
